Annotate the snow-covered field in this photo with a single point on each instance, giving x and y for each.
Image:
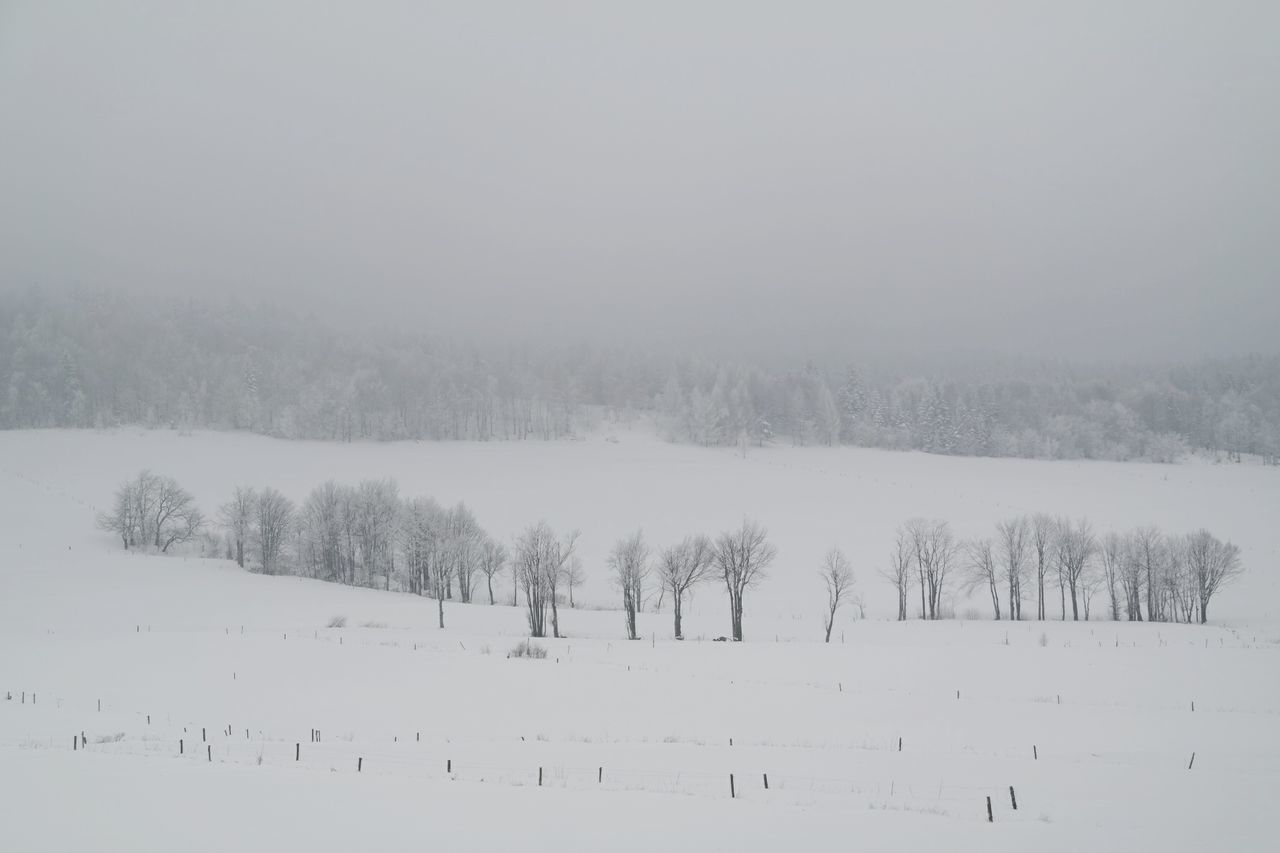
(435, 739)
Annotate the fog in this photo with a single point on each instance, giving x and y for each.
(1083, 180)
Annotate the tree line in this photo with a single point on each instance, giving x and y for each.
(1140, 574)
(78, 358)
(369, 535)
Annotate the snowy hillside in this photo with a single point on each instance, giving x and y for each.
(212, 680)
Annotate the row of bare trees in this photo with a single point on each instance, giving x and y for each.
(1173, 577)
(739, 557)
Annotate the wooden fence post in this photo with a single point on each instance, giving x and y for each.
(990, 817)
(359, 764)
(766, 781)
(210, 752)
(1193, 761)
(539, 777)
(599, 775)
(732, 793)
(179, 746)
(1013, 798)
(297, 752)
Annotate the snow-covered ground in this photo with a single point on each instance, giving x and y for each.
(434, 739)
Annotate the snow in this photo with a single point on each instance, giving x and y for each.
(199, 644)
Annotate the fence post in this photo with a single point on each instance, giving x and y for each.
(179, 746)
(75, 742)
(1035, 753)
(203, 735)
(1013, 798)
(599, 775)
(1193, 761)
(732, 793)
(899, 744)
(766, 781)
(297, 752)
(359, 764)
(539, 777)
(990, 817)
(448, 766)
(210, 753)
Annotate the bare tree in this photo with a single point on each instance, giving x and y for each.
(533, 550)
(682, 567)
(1043, 530)
(272, 524)
(152, 510)
(574, 576)
(934, 550)
(1213, 564)
(742, 555)
(557, 570)
(837, 576)
(539, 563)
(1148, 546)
(377, 513)
(493, 559)
(1011, 539)
(901, 561)
(1076, 547)
(629, 562)
(463, 538)
(1111, 554)
(123, 520)
(236, 516)
(982, 571)
(175, 518)
(1131, 578)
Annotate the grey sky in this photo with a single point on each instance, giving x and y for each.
(1064, 178)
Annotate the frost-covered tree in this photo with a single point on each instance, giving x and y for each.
(629, 562)
(236, 517)
(1043, 532)
(1011, 546)
(539, 559)
(152, 511)
(1212, 564)
(273, 522)
(1076, 545)
(983, 571)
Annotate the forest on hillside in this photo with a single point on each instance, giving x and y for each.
(93, 358)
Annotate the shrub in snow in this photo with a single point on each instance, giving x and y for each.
(528, 649)
(338, 622)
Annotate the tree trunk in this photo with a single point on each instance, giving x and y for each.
(491, 590)
(440, 608)
(675, 597)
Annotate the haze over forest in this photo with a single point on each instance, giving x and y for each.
(1091, 181)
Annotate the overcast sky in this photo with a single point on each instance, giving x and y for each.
(1081, 179)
